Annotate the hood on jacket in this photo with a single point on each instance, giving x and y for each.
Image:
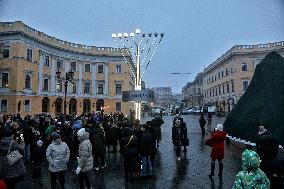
(77, 125)
(250, 160)
(83, 134)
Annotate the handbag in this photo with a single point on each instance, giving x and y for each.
(13, 156)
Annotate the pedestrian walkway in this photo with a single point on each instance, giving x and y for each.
(191, 172)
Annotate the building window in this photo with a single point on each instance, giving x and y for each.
(29, 55)
(46, 62)
(87, 68)
(27, 105)
(215, 77)
(233, 87)
(118, 106)
(28, 82)
(227, 72)
(219, 89)
(210, 92)
(244, 67)
(87, 88)
(100, 68)
(4, 105)
(6, 52)
(245, 85)
(59, 63)
(118, 69)
(218, 75)
(100, 88)
(223, 89)
(59, 86)
(73, 66)
(228, 88)
(5, 80)
(45, 84)
(73, 87)
(216, 92)
(222, 73)
(204, 94)
(118, 89)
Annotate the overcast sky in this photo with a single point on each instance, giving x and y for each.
(197, 32)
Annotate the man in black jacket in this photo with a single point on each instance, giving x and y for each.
(179, 136)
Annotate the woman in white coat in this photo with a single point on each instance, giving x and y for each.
(85, 159)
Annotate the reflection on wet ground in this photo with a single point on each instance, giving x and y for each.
(191, 172)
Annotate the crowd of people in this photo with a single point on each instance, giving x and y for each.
(84, 138)
(87, 138)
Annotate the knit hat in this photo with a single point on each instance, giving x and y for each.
(220, 127)
(261, 130)
(55, 135)
(39, 143)
(81, 132)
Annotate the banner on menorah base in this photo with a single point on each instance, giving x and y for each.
(138, 95)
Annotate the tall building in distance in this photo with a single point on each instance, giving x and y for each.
(163, 96)
(226, 79)
(29, 84)
(192, 93)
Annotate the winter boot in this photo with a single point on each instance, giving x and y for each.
(212, 170)
(220, 170)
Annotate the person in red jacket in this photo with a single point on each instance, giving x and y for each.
(216, 141)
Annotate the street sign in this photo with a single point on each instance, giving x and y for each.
(138, 95)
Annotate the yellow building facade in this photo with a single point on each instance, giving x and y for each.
(29, 65)
(226, 79)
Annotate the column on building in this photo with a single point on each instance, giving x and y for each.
(80, 80)
(40, 72)
(94, 74)
(53, 75)
(106, 79)
(66, 69)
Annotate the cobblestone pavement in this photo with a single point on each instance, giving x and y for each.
(191, 172)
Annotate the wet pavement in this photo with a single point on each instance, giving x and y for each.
(191, 172)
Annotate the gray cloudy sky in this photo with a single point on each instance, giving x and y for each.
(197, 32)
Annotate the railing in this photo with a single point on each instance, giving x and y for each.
(241, 48)
(20, 26)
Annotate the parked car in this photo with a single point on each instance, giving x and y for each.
(212, 109)
(191, 110)
(184, 111)
(158, 111)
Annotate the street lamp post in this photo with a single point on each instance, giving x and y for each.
(144, 49)
(68, 78)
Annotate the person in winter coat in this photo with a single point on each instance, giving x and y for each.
(98, 141)
(251, 175)
(274, 170)
(156, 124)
(57, 155)
(145, 149)
(38, 158)
(216, 141)
(12, 173)
(28, 136)
(129, 144)
(202, 123)
(112, 135)
(179, 136)
(85, 159)
(266, 145)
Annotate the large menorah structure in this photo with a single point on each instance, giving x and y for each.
(140, 47)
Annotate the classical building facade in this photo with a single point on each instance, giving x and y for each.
(163, 96)
(226, 79)
(192, 93)
(29, 63)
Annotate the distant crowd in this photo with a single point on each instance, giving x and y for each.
(85, 139)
